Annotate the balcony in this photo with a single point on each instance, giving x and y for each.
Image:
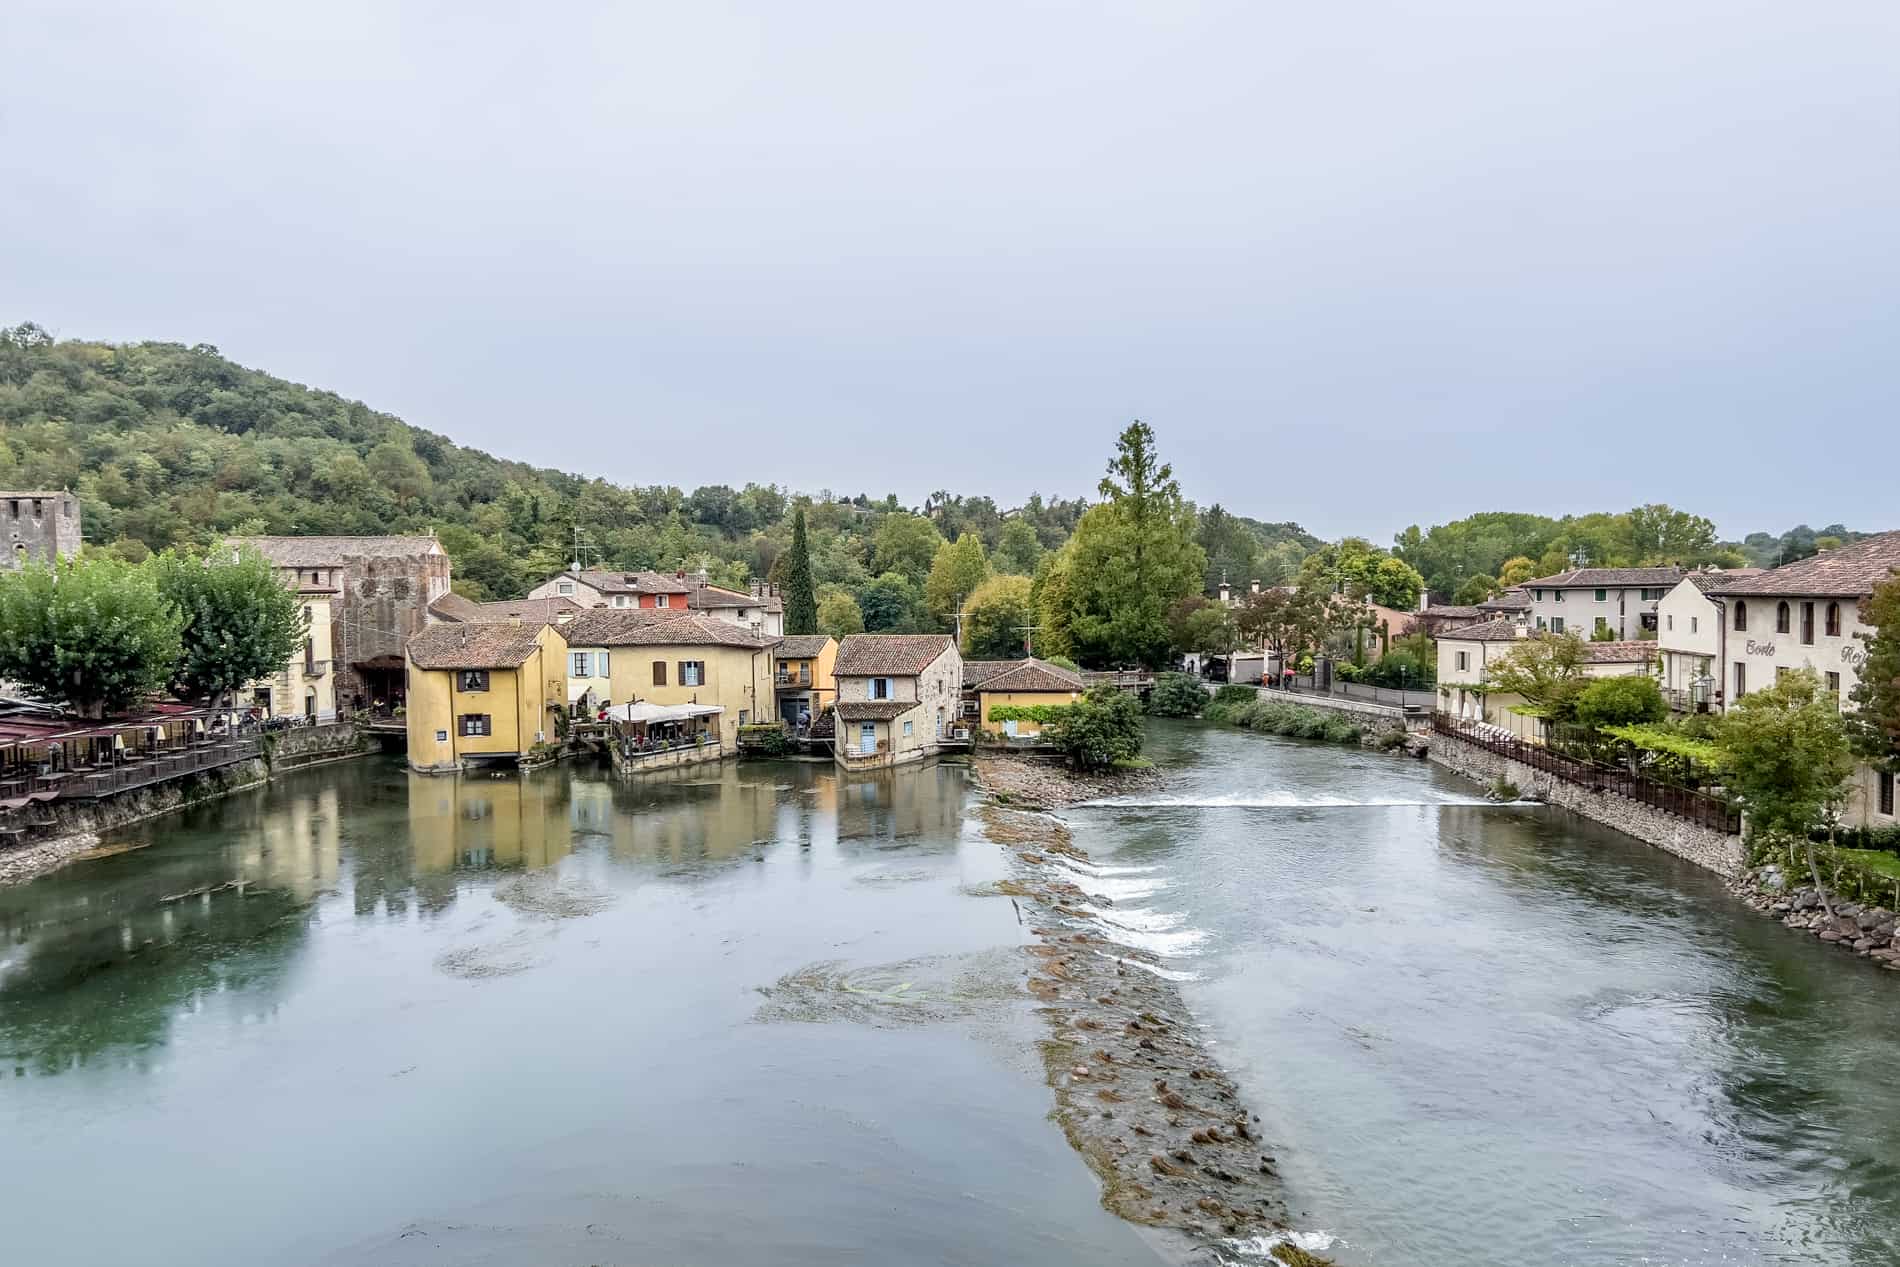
(316, 668)
(792, 681)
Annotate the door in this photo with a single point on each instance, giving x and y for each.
(1009, 728)
(867, 737)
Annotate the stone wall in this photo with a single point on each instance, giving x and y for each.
(1704, 846)
(313, 745)
(1371, 717)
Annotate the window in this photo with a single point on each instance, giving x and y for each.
(1538, 595)
(473, 724)
(1807, 623)
(1540, 622)
(1602, 626)
(1693, 622)
(659, 673)
(306, 615)
(582, 663)
(1833, 620)
(37, 508)
(692, 673)
(879, 688)
(1604, 594)
(1672, 622)
(907, 730)
(564, 587)
(1558, 595)
(659, 600)
(13, 507)
(1741, 615)
(1781, 618)
(743, 715)
(1464, 661)
(620, 600)
(603, 664)
(1886, 793)
(1741, 679)
(472, 680)
(1834, 684)
(1556, 624)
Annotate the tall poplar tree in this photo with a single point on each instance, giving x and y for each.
(801, 596)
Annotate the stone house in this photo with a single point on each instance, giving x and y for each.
(40, 527)
(898, 697)
(384, 586)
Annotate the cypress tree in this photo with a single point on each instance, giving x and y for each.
(801, 598)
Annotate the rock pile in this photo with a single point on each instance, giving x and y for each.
(1868, 931)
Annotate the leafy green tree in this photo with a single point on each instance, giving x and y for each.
(1176, 695)
(996, 620)
(1786, 759)
(1204, 628)
(1131, 560)
(1100, 730)
(1359, 570)
(240, 622)
(1546, 671)
(1230, 546)
(95, 635)
(906, 545)
(1292, 620)
(1018, 548)
(891, 604)
(1516, 570)
(1874, 725)
(838, 615)
(1628, 700)
(957, 570)
(1475, 590)
(801, 598)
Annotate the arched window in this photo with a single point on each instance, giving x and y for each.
(1781, 618)
(1833, 620)
(1741, 615)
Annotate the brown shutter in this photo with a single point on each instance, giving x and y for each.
(659, 673)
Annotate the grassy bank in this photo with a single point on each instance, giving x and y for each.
(1243, 708)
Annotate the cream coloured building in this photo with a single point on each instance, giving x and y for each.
(306, 685)
(1585, 601)
(668, 657)
(899, 696)
(1465, 657)
(1690, 637)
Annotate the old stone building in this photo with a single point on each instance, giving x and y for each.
(39, 527)
(384, 586)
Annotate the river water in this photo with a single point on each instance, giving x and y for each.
(766, 1014)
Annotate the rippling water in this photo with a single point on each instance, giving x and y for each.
(1499, 1035)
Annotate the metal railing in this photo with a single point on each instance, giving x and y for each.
(161, 767)
(1408, 697)
(1697, 807)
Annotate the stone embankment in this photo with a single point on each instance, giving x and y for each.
(1868, 931)
(1137, 1092)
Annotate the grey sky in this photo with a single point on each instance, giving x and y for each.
(1361, 265)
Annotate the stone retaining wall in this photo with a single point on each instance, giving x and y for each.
(1370, 716)
(1704, 846)
(313, 745)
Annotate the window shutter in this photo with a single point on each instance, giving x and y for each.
(605, 660)
(659, 673)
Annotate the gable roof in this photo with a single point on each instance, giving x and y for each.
(904, 655)
(1709, 580)
(305, 552)
(1031, 676)
(1629, 651)
(659, 627)
(1451, 611)
(977, 672)
(1848, 572)
(1515, 599)
(489, 645)
(625, 582)
(527, 611)
(1598, 578)
(875, 709)
(802, 646)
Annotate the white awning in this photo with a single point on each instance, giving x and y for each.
(651, 713)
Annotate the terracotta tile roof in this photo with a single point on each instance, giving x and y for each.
(1710, 580)
(802, 646)
(1032, 676)
(1602, 578)
(874, 709)
(1849, 572)
(474, 646)
(977, 672)
(904, 655)
(608, 581)
(1627, 652)
(1451, 611)
(535, 611)
(1514, 599)
(304, 552)
(649, 627)
(1503, 629)
(711, 597)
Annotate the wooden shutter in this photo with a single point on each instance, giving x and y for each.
(659, 673)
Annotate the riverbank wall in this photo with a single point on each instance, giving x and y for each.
(1706, 847)
(68, 830)
(1372, 719)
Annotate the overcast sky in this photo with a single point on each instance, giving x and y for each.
(1359, 264)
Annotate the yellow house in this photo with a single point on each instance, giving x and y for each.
(483, 692)
(684, 658)
(804, 676)
(1023, 684)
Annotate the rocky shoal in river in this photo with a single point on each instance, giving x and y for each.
(1136, 1091)
(1046, 783)
(1868, 931)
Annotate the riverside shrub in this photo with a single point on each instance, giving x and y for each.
(1279, 717)
(1176, 695)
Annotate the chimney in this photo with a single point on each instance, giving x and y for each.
(1254, 587)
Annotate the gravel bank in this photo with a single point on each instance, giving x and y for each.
(1046, 783)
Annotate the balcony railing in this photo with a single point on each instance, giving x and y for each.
(791, 679)
(315, 668)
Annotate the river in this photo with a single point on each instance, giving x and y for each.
(765, 1014)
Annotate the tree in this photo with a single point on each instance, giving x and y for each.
(1018, 549)
(240, 622)
(801, 598)
(1786, 758)
(1621, 701)
(93, 634)
(1203, 628)
(1361, 571)
(1546, 671)
(1515, 571)
(1289, 621)
(1475, 590)
(890, 605)
(1176, 695)
(996, 620)
(906, 545)
(838, 615)
(1131, 559)
(1661, 534)
(1100, 730)
(959, 567)
(1230, 546)
(1874, 725)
